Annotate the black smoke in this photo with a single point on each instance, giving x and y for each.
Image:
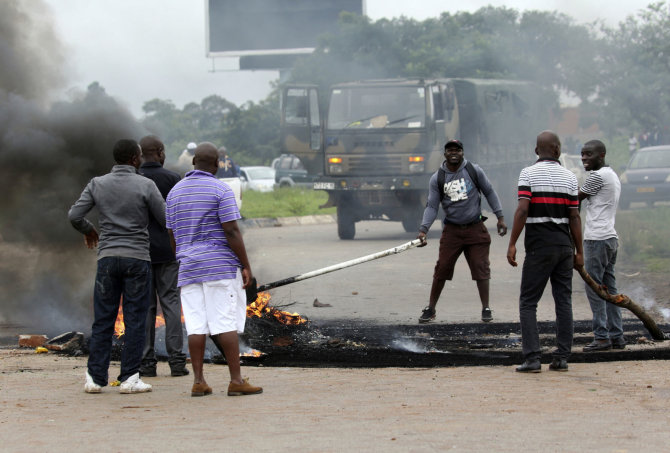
(48, 152)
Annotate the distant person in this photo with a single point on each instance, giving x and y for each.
(601, 191)
(185, 160)
(632, 144)
(227, 168)
(164, 270)
(214, 269)
(457, 186)
(549, 209)
(125, 201)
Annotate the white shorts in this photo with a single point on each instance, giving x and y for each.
(214, 307)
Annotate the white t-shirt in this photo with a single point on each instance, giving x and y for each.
(603, 189)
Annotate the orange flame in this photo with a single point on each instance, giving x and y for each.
(260, 307)
(120, 327)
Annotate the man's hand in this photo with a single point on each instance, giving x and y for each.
(422, 238)
(91, 239)
(247, 277)
(511, 255)
(502, 228)
(578, 260)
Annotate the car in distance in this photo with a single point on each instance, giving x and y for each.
(261, 179)
(290, 172)
(646, 178)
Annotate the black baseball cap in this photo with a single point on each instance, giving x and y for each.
(453, 144)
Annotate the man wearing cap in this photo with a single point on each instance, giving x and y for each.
(458, 186)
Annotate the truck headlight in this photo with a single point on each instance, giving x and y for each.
(334, 165)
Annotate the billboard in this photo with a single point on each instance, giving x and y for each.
(267, 27)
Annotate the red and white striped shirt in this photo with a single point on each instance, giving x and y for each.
(552, 191)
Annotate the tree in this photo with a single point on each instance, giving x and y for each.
(634, 74)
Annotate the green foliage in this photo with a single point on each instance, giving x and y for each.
(634, 72)
(284, 202)
(644, 238)
(490, 43)
(250, 132)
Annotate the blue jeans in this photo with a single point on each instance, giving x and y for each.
(599, 261)
(540, 266)
(118, 276)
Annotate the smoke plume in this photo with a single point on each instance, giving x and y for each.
(48, 152)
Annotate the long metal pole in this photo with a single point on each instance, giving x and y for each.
(335, 267)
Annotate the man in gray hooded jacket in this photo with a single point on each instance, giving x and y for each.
(458, 186)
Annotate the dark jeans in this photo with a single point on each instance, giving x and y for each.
(599, 261)
(118, 276)
(164, 280)
(540, 266)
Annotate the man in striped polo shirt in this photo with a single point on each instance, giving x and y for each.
(202, 219)
(549, 209)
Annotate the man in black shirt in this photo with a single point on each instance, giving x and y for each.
(164, 267)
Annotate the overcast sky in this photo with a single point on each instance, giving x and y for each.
(144, 49)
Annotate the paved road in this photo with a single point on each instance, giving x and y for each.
(390, 290)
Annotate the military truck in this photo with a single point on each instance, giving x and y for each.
(374, 144)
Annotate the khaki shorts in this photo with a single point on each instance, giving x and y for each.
(214, 307)
(472, 240)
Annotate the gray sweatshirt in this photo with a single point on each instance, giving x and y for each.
(462, 200)
(124, 199)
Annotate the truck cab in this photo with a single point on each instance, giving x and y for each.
(374, 144)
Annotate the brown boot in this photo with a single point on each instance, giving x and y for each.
(243, 389)
(201, 390)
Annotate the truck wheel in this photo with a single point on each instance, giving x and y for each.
(346, 226)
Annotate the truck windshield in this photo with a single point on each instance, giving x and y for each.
(377, 107)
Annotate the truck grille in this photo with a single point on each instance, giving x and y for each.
(375, 165)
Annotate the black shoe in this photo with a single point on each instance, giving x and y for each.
(147, 372)
(598, 345)
(487, 316)
(558, 365)
(427, 315)
(530, 366)
(619, 343)
(176, 372)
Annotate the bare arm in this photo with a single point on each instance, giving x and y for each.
(519, 222)
(576, 233)
(173, 243)
(236, 243)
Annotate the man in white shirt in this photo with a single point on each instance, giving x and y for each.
(601, 191)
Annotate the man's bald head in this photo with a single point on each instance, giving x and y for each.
(152, 149)
(206, 158)
(548, 145)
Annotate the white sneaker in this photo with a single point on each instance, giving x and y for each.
(91, 386)
(134, 385)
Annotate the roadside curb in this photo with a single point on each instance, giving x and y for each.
(288, 221)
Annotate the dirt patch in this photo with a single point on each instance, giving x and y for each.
(475, 409)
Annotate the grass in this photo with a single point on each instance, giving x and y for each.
(644, 237)
(284, 202)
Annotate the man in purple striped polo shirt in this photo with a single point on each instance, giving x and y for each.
(214, 269)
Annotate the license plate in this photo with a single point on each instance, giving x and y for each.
(324, 185)
(646, 189)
